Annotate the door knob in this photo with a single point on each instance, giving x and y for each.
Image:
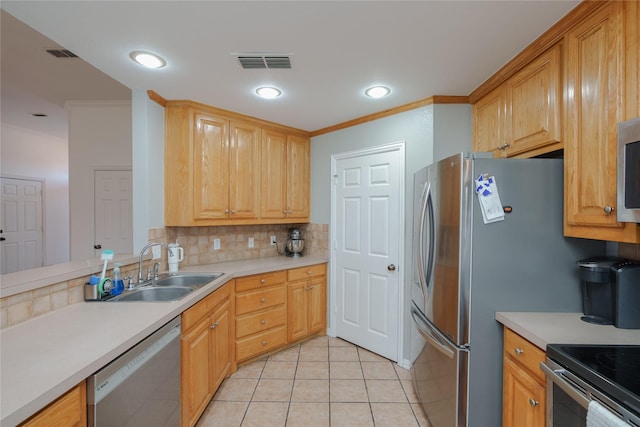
(98, 246)
(2, 239)
(391, 267)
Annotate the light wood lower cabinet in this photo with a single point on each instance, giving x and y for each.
(69, 410)
(524, 394)
(205, 351)
(307, 305)
(261, 323)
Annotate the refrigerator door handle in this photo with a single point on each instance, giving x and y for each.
(431, 335)
(426, 212)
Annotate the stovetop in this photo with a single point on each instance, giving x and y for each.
(614, 369)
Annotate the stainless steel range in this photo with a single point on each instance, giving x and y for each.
(578, 376)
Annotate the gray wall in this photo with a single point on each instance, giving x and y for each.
(431, 132)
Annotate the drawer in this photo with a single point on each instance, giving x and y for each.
(260, 321)
(305, 272)
(258, 281)
(254, 345)
(193, 315)
(247, 302)
(524, 353)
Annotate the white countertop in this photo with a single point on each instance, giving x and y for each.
(564, 328)
(43, 358)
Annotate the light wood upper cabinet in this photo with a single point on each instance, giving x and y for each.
(227, 169)
(522, 117)
(595, 103)
(490, 121)
(285, 176)
(534, 96)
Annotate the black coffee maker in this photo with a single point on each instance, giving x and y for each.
(597, 289)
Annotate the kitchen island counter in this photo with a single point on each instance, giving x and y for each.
(42, 358)
(564, 328)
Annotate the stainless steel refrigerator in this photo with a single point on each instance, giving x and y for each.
(465, 270)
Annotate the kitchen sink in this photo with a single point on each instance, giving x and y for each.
(167, 287)
(154, 294)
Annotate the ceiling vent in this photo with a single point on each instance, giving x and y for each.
(62, 53)
(257, 62)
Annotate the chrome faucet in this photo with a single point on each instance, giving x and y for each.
(140, 278)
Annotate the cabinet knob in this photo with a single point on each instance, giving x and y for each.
(503, 146)
(233, 211)
(264, 343)
(263, 300)
(215, 325)
(533, 402)
(309, 273)
(310, 287)
(264, 322)
(518, 351)
(263, 281)
(284, 211)
(226, 211)
(608, 209)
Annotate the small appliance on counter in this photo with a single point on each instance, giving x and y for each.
(626, 294)
(595, 279)
(295, 243)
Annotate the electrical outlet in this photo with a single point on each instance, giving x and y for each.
(155, 251)
(216, 244)
(251, 242)
(273, 240)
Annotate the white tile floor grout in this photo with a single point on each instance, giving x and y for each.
(321, 382)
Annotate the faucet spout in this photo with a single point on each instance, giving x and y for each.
(140, 277)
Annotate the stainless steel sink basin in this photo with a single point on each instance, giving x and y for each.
(193, 280)
(167, 287)
(154, 294)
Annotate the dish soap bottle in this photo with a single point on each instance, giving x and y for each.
(118, 283)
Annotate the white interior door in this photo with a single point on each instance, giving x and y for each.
(368, 215)
(113, 211)
(21, 225)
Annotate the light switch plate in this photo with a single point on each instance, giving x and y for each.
(155, 251)
(216, 244)
(273, 240)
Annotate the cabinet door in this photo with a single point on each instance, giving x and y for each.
(298, 178)
(221, 364)
(534, 97)
(489, 121)
(297, 310)
(244, 171)
(317, 305)
(524, 398)
(196, 375)
(210, 168)
(273, 188)
(70, 410)
(594, 85)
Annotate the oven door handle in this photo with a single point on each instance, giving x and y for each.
(558, 379)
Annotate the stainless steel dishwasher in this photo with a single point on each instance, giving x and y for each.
(141, 387)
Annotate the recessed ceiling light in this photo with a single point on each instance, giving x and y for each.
(147, 59)
(377, 91)
(268, 92)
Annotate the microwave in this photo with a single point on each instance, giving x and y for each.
(628, 203)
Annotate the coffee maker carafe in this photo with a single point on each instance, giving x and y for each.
(295, 244)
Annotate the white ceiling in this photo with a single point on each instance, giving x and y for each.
(337, 48)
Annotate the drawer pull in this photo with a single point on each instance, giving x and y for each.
(263, 300)
(533, 402)
(264, 343)
(264, 322)
(263, 281)
(518, 351)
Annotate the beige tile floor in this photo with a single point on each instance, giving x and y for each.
(322, 382)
